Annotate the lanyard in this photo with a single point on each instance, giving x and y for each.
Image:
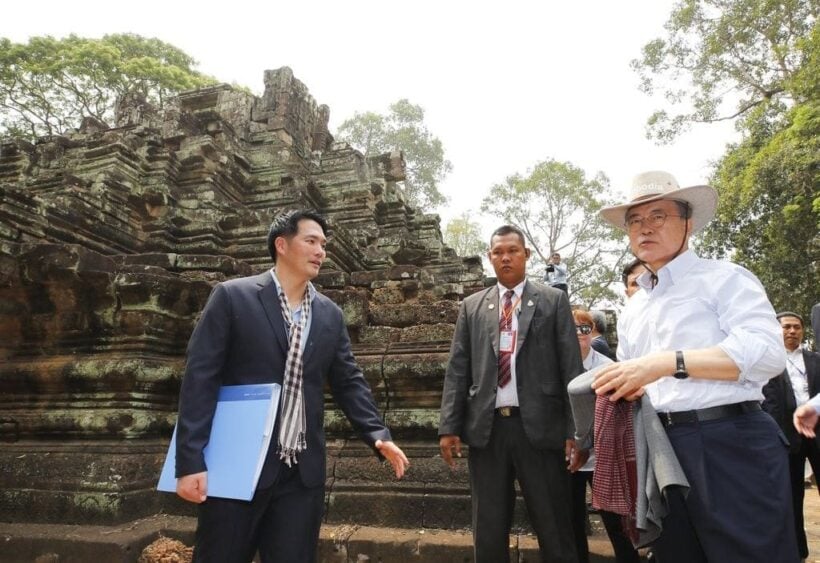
(508, 316)
(797, 369)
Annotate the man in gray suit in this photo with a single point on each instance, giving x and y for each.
(514, 352)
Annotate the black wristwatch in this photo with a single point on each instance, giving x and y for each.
(680, 371)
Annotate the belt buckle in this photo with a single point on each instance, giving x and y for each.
(505, 411)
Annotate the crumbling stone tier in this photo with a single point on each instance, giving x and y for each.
(111, 238)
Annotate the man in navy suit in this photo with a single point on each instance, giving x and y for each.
(794, 387)
(274, 327)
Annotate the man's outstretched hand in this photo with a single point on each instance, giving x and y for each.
(394, 455)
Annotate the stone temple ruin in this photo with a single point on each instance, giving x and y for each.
(111, 238)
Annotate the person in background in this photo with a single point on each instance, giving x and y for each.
(513, 354)
(581, 477)
(557, 273)
(784, 393)
(629, 277)
(701, 340)
(599, 343)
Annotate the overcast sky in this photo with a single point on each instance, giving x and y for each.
(504, 85)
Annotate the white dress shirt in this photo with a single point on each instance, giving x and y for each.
(558, 274)
(699, 303)
(797, 374)
(507, 396)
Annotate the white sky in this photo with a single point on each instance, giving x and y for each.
(504, 85)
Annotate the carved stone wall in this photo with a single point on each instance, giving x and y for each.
(111, 239)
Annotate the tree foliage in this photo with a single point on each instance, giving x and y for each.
(722, 58)
(768, 215)
(464, 236)
(48, 85)
(556, 206)
(403, 129)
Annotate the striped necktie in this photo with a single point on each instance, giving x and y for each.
(505, 323)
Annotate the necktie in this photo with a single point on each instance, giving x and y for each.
(505, 323)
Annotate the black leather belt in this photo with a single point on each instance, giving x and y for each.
(712, 413)
(507, 411)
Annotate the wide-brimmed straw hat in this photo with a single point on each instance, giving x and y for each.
(655, 185)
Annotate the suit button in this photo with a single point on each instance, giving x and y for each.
(495, 388)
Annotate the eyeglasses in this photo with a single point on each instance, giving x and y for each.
(654, 220)
(583, 329)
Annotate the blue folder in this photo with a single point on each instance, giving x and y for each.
(240, 436)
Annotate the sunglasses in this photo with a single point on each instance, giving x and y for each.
(583, 329)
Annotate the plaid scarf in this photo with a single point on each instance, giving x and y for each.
(614, 482)
(292, 425)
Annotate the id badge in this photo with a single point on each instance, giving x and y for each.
(507, 341)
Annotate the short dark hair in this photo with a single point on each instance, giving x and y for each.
(599, 318)
(782, 314)
(286, 224)
(628, 269)
(506, 230)
(684, 209)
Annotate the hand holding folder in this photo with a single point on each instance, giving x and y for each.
(241, 432)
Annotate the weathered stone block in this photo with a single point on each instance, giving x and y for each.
(428, 333)
(379, 334)
(354, 305)
(393, 314)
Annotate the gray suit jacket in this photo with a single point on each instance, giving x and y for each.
(547, 359)
(657, 464)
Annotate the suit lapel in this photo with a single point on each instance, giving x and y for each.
(270, 303)
(318, 325)
(812, 372)
(529, 301)
(791, 401)
(489, 316)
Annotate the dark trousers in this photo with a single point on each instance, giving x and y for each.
(562, 286)
(625, 552)
(738, 507)
(281, 521)
(809, 450)
(580, 479)
(545, 485)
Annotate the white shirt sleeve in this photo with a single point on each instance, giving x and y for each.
(755, 340)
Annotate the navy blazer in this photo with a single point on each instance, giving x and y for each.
(780, 402)
(241, 339)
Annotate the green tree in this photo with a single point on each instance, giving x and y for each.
(768, 215)
(464, 236)
(556, 206)
(49, 85)
(403, 129)
(765, 57)
(722, 58)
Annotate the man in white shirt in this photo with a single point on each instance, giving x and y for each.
(557, 273)
(784, 393)
(701, 340)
